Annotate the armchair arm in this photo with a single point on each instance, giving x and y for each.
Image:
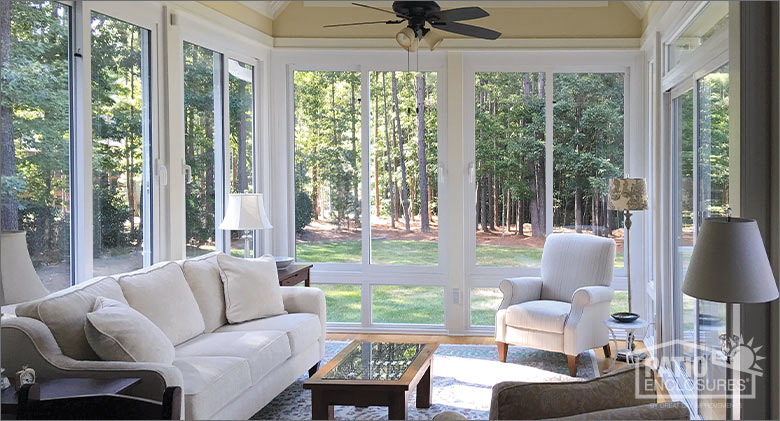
(520, 290)
(585, 328)
(27, 341)
(307, 300)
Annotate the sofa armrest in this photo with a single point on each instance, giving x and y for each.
(306, 300)
(520, 290)
(27, 341)
(585, 328)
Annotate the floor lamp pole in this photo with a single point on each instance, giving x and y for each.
(627, 254)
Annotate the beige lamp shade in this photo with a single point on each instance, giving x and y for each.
(729, 264)
(245, 211)
(19, 281)
(627, 194)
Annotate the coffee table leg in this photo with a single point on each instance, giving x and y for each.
(425, 389)
(397, 409)
(320, 410)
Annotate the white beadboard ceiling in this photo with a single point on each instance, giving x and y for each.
(272, 9)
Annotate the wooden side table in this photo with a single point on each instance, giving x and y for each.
(87, 398)
(295, 274)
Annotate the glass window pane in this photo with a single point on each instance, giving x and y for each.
(511, 221)
(202, 137)
(342, 302)
(682, 115)
(404, 159)
(407, 304)
(242, 164)
(120, 142)
(327, 167)
(484, 304)
(712, 20)
(588, 143)
(35, 135)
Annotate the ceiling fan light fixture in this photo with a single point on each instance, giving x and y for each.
(406, 38)
(433, 40)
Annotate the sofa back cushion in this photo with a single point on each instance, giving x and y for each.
(573, 261)
(161, 293)
(65, 313)
(202, 274)
(117, 332)
(252, 288)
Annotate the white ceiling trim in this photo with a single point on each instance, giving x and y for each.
(638, 8)
(463, 44)
(453, 4)
(269, 9)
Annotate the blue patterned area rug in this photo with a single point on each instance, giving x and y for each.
(463, 376)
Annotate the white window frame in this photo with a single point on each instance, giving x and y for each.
(147, 16)
(367, 274)
(631, 64)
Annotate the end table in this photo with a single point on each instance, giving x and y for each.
(630, 328)
(295, 274)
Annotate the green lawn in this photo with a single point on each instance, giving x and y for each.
(404, 252)
(406, 304)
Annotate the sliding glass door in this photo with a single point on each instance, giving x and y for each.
(700, 129)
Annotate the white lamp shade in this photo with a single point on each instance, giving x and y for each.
(19, 281)
(627, 194)
(729, 264)
(245, 211)
(433, 40)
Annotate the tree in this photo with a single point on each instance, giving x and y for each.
(423, 164)
(400, 133)
(9, 214)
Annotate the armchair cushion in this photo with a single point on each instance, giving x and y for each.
(544, 315)
(572, 261)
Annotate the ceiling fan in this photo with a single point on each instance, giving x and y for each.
(419, 13)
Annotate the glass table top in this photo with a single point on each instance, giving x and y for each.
(375, 361)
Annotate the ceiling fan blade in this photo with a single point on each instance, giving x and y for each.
(468, 30)
(461, 13)
(380, 9)
(362, 23)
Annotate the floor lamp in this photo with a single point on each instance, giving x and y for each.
(628, 194)
(245, 211)
(729, 265)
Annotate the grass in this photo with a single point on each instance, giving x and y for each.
(405, 252)
(407, 304)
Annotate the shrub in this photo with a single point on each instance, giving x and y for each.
(304, 211)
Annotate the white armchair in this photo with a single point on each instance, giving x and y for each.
(564, 309)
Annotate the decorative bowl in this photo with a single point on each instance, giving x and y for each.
(283, 262)
(624, 317)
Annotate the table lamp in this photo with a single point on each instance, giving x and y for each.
(628, 194)
(729, 265)
(245, 211)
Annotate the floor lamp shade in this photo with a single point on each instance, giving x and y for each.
(245, 211)
(18, 279)
(628, 194)
(729, 264)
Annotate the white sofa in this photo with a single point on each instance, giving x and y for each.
(564, 309)
(226, 371)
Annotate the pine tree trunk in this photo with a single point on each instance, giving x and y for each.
(390, 167)
(483, 212)
(578, 209)
(404, 184)
(421, 157)
(376, 157)
(9, 213)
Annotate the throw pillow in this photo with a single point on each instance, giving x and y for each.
(116, 332)
(252, 288)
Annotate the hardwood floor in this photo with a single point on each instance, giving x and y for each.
(602, 361)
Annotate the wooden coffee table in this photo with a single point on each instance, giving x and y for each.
(373, 374)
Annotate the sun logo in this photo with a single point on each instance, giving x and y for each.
(746, 355)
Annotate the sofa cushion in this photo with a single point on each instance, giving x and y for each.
(209, 383)
(116, 332)
(202, 274)
(65, 313)
(302, 329)
(252, 288)
(161, 293)
(263, 350)
(544, 315)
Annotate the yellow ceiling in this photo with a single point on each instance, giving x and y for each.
(517, 19)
